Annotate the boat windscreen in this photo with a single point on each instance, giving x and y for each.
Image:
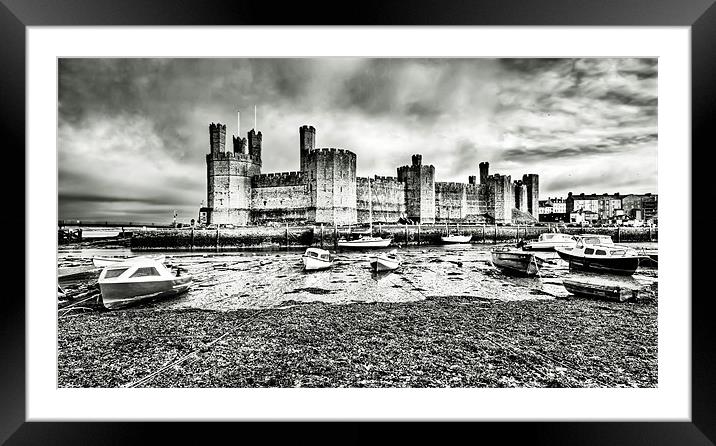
(145, 272)
(115, 272)
(591, 240)
(618, 252)
(547, 236)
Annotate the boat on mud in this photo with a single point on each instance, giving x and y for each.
(385, 261)
(101, 262)
(594, 253)
(315, 259)
(515, 261)
(549, 241)
(122, 284)
(600, 291)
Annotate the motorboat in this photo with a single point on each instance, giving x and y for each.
(128, 282)
(548, 241)
(385, 261)
(601, 257)
(101, 262)
(365, 242)
(516, 261)
(315, 259)
(456, 238)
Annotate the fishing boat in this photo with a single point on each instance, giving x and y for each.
(102, 262)
(548, 241)
(602, 291)
(601, 257)
(124, 283)
(315, 259)
(516, 261)
(366, 241)
(385, 261)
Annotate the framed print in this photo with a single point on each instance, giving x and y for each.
(442, 214)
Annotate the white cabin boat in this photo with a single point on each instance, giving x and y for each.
(385, 261)
(101, 262)
(124, 283)
(315, 259)
(549, 241)
(365, 242)
(455, 238)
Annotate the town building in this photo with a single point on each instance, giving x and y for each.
(327, 190)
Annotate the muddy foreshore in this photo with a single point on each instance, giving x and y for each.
(437, 342)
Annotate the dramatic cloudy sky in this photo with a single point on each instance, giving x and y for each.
(133, 133)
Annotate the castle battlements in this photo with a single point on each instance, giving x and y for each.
(327, 190)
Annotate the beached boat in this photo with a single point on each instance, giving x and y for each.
(607, 258)
(102, 262)
(125, 283)
(548, 241)
(316, 259)
(385, 261)
(516, 261)
(601, 291)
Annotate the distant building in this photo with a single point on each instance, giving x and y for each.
(553, 210)
(615, 208)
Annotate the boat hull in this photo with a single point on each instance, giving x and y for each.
(364, 244)
(380, 264)
(625, 266)
(121, 294)
(516, 262)
(102, 262)
(598, 291)
(456, 239)
(314, 264)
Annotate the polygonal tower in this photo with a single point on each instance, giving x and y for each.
(229, 176)
(307, 135)
(419, 183)
(531, 181)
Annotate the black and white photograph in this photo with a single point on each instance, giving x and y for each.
(356, 222)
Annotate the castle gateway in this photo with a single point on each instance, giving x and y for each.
(327, 190)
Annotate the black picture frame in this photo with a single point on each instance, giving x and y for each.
(699, 15)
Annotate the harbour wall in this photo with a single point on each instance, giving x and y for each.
(257, 237)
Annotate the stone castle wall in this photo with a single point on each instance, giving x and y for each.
(332, 186)
(387, 195)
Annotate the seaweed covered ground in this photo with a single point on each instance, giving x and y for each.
(442, 341)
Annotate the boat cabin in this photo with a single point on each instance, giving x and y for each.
(554, 236)
(583, 240)
(318, 254)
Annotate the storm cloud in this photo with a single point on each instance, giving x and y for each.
(133, 133)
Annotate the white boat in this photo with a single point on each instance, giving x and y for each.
(365, 242)
(101, 262)
(316, 259)
(125, 283)
(455, 238)
(549, 241)
(385, 261)
(595, 253)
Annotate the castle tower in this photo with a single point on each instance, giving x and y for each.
(229, 177)
(254, 144)
(307, 135)
(331, 176)
(484, 171)
(520, 195)
(419, 183)
(531, 181)
(217, 137)
(500, 197)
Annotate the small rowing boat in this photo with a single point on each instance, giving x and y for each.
(515, 261)
(102, 262)
(385, 261)
(601, 291)
(315, 259)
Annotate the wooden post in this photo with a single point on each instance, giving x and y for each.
(619, 234)
(286, 235)
(418, 234)
(217, 237)
(321, 235)
(335, 235)
(406, 234)
(191, 244)
(650, 234)
(494, 240)
(483, 233)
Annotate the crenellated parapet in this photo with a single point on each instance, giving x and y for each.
(278, 179)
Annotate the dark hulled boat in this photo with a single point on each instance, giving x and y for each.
(611, 259)
(516, 261)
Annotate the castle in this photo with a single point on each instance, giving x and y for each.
(327, 190)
